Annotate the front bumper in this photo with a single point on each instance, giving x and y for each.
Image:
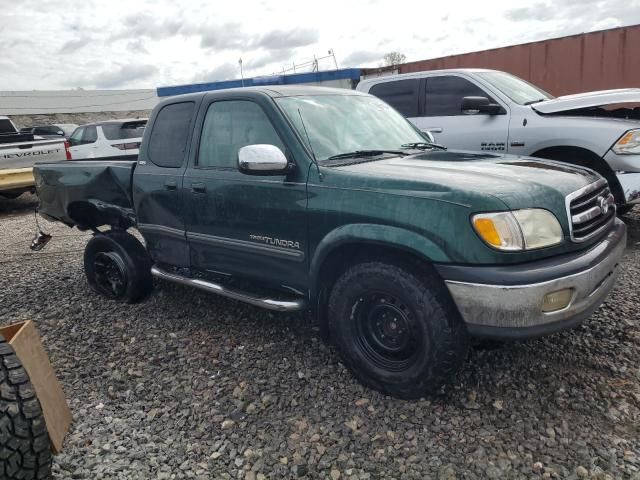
(630, 184)
(16, 179)
(506, 302)
(626, 168)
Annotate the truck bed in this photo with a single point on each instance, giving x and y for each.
(86, 194)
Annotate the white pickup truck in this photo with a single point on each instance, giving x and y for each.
(479, 109)
(18, 153)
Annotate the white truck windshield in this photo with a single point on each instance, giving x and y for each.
(517, 89)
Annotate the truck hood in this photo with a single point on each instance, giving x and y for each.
(588, 100)
(519, 182)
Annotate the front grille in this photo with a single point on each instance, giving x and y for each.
(591, 210)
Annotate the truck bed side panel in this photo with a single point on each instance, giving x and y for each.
(86, 194)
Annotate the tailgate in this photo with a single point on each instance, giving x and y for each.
(26, 154)
(74, 191)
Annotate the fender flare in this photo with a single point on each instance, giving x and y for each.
(380, 235)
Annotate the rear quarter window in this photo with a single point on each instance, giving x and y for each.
(6, 126)
(168, 140)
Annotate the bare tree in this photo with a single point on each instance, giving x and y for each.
(393, 59)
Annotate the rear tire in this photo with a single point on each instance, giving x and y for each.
(397, 331)
(25, 449)
(118, 267)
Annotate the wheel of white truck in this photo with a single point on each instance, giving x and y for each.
(25, 450)
(118, 267)
(396, 330)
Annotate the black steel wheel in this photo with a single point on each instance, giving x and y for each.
(118, 267)
(387, 332)
(110, 274)
(396, 328)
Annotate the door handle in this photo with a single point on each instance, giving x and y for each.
(434, 129)
(198, 188)
(171, 185)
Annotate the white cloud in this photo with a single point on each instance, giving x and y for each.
(149, 43)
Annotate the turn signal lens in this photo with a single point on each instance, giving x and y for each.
(628, 144)
(500, 230)
(525, 229)
(558, 300)
(487, 230)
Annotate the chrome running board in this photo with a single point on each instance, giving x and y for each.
(268, 303)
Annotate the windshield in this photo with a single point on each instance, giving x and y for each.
(338, 124)
(517, 89)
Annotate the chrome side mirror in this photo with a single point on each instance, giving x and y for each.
(262, 159)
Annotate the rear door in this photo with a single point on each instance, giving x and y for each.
(442, 115)
(157, 183)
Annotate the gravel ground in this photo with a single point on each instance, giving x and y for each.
(187, 385)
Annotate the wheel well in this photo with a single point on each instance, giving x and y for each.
(344, 256)
(86, 215)
(584, 158)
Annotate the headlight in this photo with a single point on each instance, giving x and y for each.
(628, 144)
(519, 229)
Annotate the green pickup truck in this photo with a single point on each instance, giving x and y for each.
(306, 198)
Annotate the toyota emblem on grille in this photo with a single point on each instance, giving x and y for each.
(603, 204)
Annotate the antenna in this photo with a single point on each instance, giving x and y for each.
(315, 159)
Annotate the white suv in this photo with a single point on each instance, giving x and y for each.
(113, 138)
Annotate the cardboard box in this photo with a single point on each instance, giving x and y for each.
(24, 339)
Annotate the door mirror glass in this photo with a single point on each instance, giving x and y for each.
(262, 159)
(60, 132)
(475, 105)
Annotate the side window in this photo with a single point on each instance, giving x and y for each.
(90, 135)
(168, 141)
(230, 125)
(400, 94)
(76, 136)
(445, 94)
(51, 130)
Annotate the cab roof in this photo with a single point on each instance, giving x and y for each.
(273, 91)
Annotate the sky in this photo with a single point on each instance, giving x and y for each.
(51, 45)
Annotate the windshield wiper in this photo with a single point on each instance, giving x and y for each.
(535, 101)
(423, 146)
(365, 153)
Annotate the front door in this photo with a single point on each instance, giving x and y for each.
(443, 117)
(244, 225)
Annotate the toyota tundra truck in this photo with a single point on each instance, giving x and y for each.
(494, 111)
(18, 153)
(328, 201)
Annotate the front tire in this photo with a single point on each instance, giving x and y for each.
(118, 267)
(396, 330)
